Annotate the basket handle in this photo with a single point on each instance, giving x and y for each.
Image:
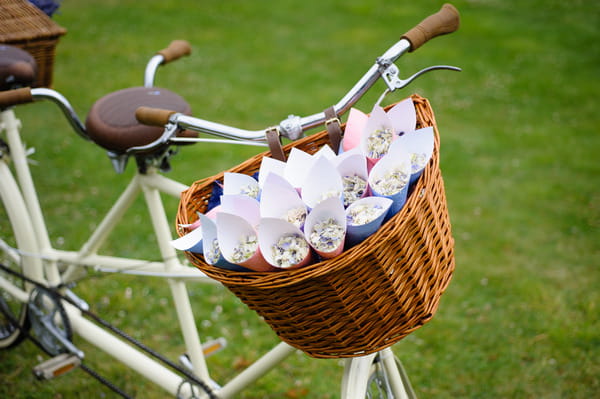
(446, 20)
(14, 97)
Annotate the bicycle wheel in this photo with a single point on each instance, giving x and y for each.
(16, 239)
(377, 376)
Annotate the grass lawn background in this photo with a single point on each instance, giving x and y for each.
(520, 318)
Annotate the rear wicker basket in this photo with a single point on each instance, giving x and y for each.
(371, 295)
(25, 26)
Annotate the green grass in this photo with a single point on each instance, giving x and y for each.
(519, 158)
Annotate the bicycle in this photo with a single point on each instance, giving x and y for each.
(36, 279)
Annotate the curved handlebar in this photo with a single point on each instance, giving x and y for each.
(446, 20)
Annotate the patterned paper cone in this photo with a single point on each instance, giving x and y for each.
(212, 253)
(364, 217)
(352, 166)
(238, 242)
(325, 228)
(390, 178)
(377, 136)
(282, 244)
(191, 242)
(354, 128)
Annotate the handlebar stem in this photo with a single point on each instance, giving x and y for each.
(151, 68)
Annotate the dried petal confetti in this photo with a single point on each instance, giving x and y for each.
(418, 161)
(363, 214)
(245, 249)
(354, 188)
(289, 250)
(327, 235)
(329, 194)
(212, 252)
(378, 142)
(251, 190)
(296, 216)
(391, 182)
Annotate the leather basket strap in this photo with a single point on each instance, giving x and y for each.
(274, 141)
(334, 128)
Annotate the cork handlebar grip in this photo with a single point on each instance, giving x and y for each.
(15, 97)
(446, 20)
(153, 116)
(175, 50)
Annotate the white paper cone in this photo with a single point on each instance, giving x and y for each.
(356, 233)
(326, 152)
(329, 208)
(323, 180)
(230, 230)
(297, 166)
(267, 166)
(242, 205)
(403, 116)
(239, 183)
(419, 145)
(271, 230)
(279, 198)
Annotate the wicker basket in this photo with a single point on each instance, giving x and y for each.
(370, 296)
(25, 26)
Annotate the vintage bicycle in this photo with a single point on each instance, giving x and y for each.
(38, 299)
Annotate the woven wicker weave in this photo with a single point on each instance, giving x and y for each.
(25, 26)
(370, 296)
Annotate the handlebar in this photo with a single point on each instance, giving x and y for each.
(445, 21)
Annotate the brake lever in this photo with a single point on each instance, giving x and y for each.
(390, 74)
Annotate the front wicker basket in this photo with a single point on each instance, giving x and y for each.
(371, 295)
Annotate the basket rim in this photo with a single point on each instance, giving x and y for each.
(282, 278)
